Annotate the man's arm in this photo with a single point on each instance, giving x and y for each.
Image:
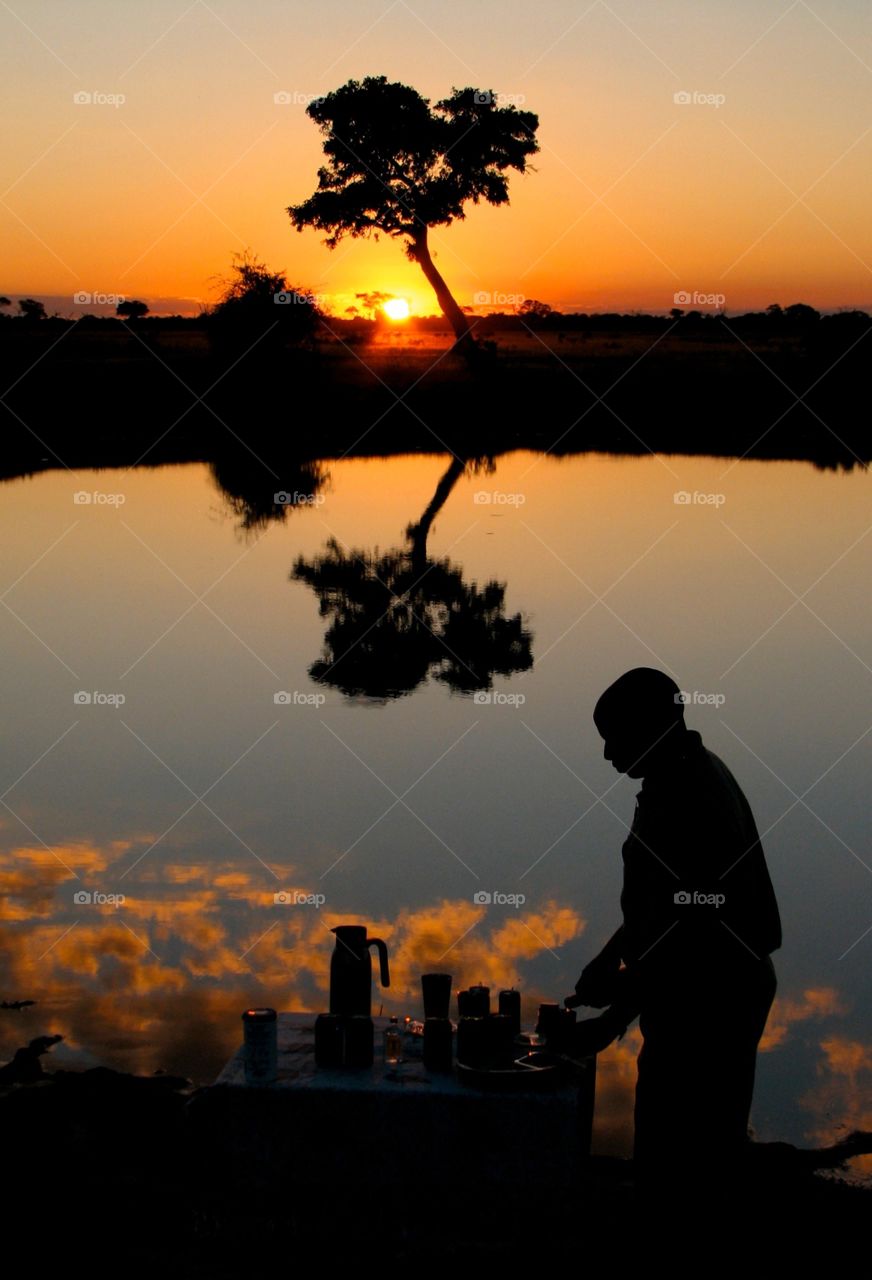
(600, 980)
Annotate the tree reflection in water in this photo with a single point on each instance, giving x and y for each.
(400, 616)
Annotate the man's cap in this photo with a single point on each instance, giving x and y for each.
(641, 695)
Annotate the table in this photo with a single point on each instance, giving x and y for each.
(331, 1127)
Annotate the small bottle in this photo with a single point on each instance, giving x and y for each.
(393, 1043)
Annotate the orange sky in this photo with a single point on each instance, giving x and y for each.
(759, 195)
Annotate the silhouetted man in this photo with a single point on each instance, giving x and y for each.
(691, 958)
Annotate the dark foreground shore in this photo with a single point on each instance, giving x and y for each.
(149, 394)
(107, 1169)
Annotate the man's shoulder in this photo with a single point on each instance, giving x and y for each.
(697, 777)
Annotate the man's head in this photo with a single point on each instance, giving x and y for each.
(640, 718)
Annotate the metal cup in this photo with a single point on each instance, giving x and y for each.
(436, 989)
(549, 1024)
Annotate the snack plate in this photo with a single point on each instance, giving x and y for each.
(533, 1071)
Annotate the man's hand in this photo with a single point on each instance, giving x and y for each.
(595, 1034)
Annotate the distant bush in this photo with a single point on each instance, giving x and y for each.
(259, 313)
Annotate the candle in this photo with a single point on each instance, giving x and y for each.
(480, 997)
(510, 1005)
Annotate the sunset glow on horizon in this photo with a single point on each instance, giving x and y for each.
(718, 153)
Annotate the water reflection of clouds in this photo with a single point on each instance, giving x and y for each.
(160, 981)
(192, 941)
(841, 1100)
(814, 1002)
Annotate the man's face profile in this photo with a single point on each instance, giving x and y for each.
(624, 749)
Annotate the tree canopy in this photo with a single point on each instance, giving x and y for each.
(398, 166)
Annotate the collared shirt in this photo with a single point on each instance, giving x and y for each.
(697, 897)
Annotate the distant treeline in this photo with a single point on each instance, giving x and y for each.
(798, 318)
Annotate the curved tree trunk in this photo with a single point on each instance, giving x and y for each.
(417, 533)
(459, 322)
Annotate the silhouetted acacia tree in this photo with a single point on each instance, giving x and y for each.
(396, 165)
(373, 302)
(31, 309)
(533, 309)
(131, 309)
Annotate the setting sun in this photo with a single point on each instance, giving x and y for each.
(396, 309)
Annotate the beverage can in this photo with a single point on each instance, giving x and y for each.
(261, 1049)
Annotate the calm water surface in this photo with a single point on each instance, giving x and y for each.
(328, 704)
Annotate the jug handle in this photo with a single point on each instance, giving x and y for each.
(384, 972)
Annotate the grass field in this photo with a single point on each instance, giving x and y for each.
(93, 392)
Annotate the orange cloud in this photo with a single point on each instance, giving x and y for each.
(615, 1096)
(816, 1002)
(842, 1099)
